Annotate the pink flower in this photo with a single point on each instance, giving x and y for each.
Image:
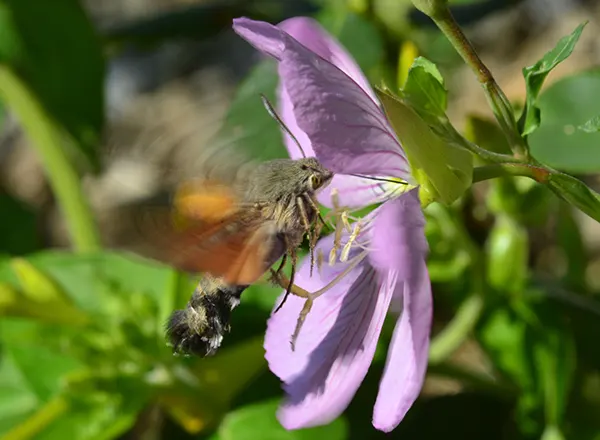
(327, 103)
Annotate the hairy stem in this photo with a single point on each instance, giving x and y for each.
(538, 173)
(498, 101)
(457, 331)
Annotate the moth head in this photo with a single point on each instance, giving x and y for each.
(315, 175)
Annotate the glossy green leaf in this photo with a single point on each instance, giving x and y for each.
(258, 421)
(536, 74)
(443, 170)
(53, 47)
(576, 193)
(567, 104)
(425, 89)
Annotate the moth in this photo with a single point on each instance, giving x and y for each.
(239, 232)
(232, 226)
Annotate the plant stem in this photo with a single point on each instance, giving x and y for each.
(500, 104)
(46, 137)
(38, 421)
(474, 380)
(457, 331)
(538, 173)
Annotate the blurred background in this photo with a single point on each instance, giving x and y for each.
(105, 104)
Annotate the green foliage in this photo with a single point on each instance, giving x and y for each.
(66, 73)
(569, 103)
(576, 193)
(258, 421)
(443, 170)
(536, 74)
(425, 90)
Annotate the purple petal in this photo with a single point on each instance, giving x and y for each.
(310, 34)
(398, 239)
(286, 110)
(355, 192)
(407, 357)
(348, 131)
(336, 345)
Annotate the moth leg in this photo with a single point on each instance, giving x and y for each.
(288, 289)
(298, 291)
(314, 206)
(284, 282)
(303, 215)
(282, 264)
(307, 227)
(301, 318)
(319, 224)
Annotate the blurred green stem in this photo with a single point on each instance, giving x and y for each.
(457, 331)
(46, 137)
(439, 12)
(474, 380)
(35, 424)
(486, 172)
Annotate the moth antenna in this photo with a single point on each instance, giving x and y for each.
(379, 179)
(284, 127)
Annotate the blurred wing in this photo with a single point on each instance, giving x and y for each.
(208, 229)
(240, 258)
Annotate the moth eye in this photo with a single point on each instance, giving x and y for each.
(315, 181)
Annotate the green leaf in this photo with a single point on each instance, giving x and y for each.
(536, 74)
(17, 399)
(567, 104)
(221, 379)
(591, 126)
(576, 193)
(44, 382)
(36, 391)
(443, 169)
(258, 421)
(39, 297)
(425, 89)
(248, 124)
(532, 346)
(486, 134)
(54, 48)
(104, 417)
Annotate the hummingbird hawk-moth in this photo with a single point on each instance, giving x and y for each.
(231, 224)
(235, 234)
